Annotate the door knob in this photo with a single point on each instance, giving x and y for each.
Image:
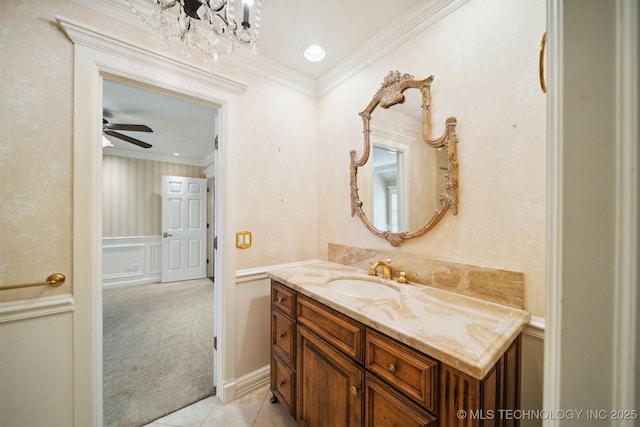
(165, 235)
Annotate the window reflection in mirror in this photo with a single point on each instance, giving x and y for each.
(385, 189)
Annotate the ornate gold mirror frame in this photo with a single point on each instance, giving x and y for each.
(389, 94)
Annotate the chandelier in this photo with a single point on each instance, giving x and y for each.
(216, 19)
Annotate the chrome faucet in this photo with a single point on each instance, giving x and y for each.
(386, 269)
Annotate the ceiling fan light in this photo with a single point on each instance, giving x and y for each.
(314, 53)
(106, 142)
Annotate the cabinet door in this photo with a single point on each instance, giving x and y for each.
(330, 385)
(385, 407)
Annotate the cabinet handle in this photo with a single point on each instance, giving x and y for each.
(392, 368)
(354, 390)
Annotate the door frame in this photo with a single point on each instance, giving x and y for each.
(96, 55)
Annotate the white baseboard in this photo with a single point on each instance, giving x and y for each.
(252, 381)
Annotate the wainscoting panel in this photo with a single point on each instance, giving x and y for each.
(131, 260)
(36, 362)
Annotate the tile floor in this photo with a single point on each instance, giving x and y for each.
(251, 410)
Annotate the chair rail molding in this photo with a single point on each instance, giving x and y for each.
(535, 328)
(37, 307)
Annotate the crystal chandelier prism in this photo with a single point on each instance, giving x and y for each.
(206, 25)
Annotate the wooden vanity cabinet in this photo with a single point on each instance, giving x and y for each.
(283, 346)
(331, 370)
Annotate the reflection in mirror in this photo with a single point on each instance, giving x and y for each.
(411, 180)
(385, 189)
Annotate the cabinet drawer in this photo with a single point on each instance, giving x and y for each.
(384, 406)
(337, 329)
(283, 382)
(283, 336)
(283, 298)
(410, 371)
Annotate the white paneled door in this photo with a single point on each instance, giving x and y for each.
(184, 228)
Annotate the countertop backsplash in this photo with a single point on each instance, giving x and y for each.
(489, 284)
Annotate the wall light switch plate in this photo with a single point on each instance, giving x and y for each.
(243, 239)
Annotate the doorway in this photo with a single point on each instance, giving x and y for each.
(158, 335)
(99, 56)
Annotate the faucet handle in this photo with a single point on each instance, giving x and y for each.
(372, 270)
(402, 277)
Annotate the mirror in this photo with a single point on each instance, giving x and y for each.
(411, 180)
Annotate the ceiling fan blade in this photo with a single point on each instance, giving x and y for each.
(134, 128)
(128, 139)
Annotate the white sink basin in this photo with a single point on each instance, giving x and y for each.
(363, 288)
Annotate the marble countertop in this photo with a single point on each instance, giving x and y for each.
(467, 333)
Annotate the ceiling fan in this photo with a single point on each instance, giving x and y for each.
(111, 128)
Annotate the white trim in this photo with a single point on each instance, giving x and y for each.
(552, 347)
(626, 278)
(110, 44)
(37, 307)
(251, 274)
(252, 381)
(535, 328)
(97, 55)
(157, 157)
(408, 25)
(412, 22)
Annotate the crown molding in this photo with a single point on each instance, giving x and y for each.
(409, 24)
(84, 35)
(406, 26)
(159, 157)
(241, 57)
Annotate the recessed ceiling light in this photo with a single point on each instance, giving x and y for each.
(314, 53)
(176, 154)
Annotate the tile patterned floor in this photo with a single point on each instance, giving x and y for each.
(251, 410)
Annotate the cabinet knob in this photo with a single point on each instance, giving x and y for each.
(281, 383)
(280, 299)
(281, 335)
(354, 390)
(392, 368)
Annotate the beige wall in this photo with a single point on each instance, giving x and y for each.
(36, 196)
(276, 170)
(291, 188)
(132, 194)
(484, 57)
(294, 204)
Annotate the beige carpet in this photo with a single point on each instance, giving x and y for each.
(158, 349)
